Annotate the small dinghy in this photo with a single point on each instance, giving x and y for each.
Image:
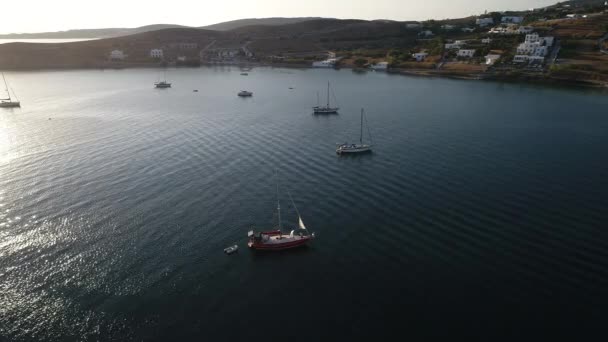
(231, 249)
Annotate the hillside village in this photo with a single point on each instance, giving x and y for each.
(566, 42)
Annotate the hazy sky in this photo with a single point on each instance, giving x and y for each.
(56, 15)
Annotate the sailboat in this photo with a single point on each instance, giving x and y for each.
(327, 109)
(8, 102)
(356, 148)
(276, 240)
(163, 84)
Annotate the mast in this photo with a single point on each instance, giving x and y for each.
(318, 100)
(361, 136)
(327, 94)
(278, 202)
(300, 222)
(6, 86)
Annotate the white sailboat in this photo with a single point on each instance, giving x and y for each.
(327, 109)
(356, 148)
(9, 102)
(163, 84)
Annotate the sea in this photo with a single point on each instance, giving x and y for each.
(481, 214)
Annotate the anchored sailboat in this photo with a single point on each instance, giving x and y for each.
(357, 148)
(9, 102)
(163, 84)
(276, 240)
(327, 109)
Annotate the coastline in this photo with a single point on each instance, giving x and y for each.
(541, 79)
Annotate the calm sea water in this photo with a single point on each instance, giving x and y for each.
(482, 211)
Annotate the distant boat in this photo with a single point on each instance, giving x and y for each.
(327, 109)
(163, 84)
(8, 102)
(276, 240)
(244, 74)
(356, 148)
(245, 93)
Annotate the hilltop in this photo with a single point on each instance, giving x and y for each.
(90, 33)
(119, 32)
(235, 24)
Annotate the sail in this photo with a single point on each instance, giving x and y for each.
(301, 223)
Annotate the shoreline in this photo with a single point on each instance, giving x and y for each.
(542, 79)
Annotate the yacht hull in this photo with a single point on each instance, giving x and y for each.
(325, 110)
(10, 104)
(274, 241)
(354, 150)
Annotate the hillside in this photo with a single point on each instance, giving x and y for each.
(89, 33)
(360, 43)
(235, 24)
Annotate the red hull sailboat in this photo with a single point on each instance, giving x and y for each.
(276, 240)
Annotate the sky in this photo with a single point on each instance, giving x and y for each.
(59, 15)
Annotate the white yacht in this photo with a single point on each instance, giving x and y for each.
(356, 148)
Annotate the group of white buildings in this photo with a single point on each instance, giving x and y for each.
(489, 21)
(119, 55)
(157, 53)
(458, 45)
(533, 49)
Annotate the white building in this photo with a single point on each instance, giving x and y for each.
(508, 30)
(117, 55)
(420, 56)
(548, 41)
(483, 22)
(528, 59)
(466, 53)
(467, 29)
(328, 63)
(486, 41)
(533, 49)
(448, 27)
(228, 53)
(514, 20)
(491, 59)
(426, 33)
(181, 58)
(156, 53)
(188, 46)
(533, 38)
(413, 25)
(520, 58)
(525, 29)
(381, 66)
(455, 45)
